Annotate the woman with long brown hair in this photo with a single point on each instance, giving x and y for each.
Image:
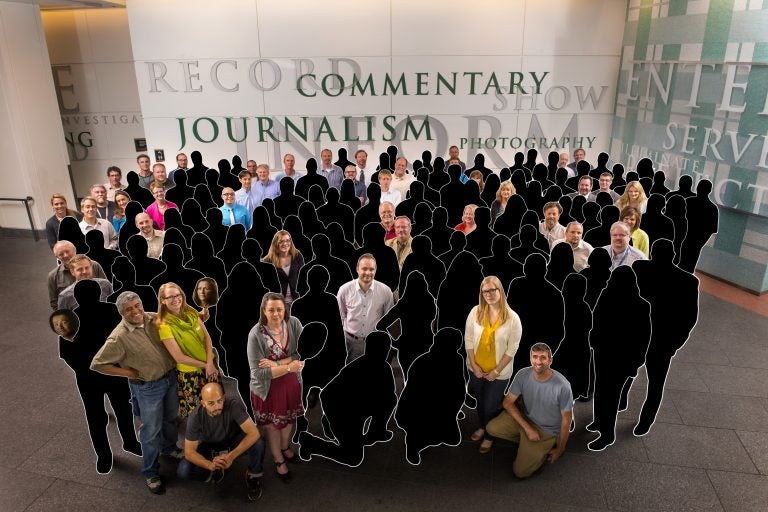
(275, 379)
(121, 201)
(187, 340)
(492, 335)
(288, 262)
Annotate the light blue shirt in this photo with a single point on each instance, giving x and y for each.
(241, 213)
(246, 198)
(334, 175)
(295, 176)
(262, 191)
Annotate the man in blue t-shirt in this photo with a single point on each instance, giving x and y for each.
(218, 432)
(542, 431)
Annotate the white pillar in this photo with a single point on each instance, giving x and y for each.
(33, 153)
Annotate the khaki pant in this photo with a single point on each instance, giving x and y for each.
(530, 455)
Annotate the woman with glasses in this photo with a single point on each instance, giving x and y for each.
(288, 262)
(187, 340)
(157, 209)
(491, 338)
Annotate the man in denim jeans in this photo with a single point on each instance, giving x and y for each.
(134, 350)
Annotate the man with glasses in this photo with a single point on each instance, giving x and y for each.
(233, 213)
(219, 430)
(134, 350)
(619, 249)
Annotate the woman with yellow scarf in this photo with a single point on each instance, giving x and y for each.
(491, 338)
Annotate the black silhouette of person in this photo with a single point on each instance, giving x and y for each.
(335, 211)
(196, 173)
(97, 252)
(429, 407)
(539, 304)
(232, 252)
(270, 278)
(98, 319)
(192, 216)
(674, 297)
(422, 260)
(362, 394)
(500, 263)
(574, 354)
(654, 222)
(216, 230)
(336, 267)
(620, 314)
(69, 230)
(204, 260)
(702, 216)
(146, 268)
(415, 330)
(175, 272)
(439, 232)
(458, 292)
(560, 265)
(684, 187)
(309, 179)
(124, 280)
(235, 319)
(138, 193)
(181, 191)
(287, 203)
(174, 236)
(262, 230)
(387, 268)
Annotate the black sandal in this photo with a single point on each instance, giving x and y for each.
(293, 459)
(285, 477)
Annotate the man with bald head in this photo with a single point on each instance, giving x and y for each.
(154, 237)
(619, 249)
(581, 249)
(60, 277)
(387, 216)
(233, 213)
(219, 430)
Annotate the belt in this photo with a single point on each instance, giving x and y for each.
(142, 382)
(356, 338)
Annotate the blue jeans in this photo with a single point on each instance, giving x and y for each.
(489, 397)
(190, 471)
(158, 403)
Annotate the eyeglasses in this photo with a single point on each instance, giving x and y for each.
(173, 298)
(490, 291)
(228, 194)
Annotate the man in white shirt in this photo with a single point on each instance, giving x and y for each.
(90, 222)
(154, 237)
(401, 181)
(550, 227)
(581, 249)
(387, 194)
(361, 158)
(362, 303)
(245, 196)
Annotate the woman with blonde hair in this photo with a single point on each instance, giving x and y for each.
(631, 216)
(467, 224)
(491, 337)
(633, 195)
(288, 262)
(187, 340)
(60, 210)
(506, 190)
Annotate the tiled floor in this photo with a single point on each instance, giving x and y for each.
(707, 451)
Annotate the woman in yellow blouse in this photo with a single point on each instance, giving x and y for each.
(187, 340)
(491, 338)
(631, 216)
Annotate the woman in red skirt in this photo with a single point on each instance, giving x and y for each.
(275, 377)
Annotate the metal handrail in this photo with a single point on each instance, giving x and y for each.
(26, 202)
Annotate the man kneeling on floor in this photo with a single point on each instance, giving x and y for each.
(218, 432)
(542, 431)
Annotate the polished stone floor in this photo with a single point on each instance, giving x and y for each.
(707, 451)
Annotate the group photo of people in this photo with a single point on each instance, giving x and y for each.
(290, 315)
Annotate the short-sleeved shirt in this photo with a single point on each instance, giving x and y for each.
(544, 401)
(217, 430)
